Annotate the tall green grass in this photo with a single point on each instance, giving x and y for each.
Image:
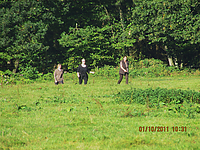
(72, 116)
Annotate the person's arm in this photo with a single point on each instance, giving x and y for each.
(122, 67)
(78, 70)
(127, 62)
(89, 71)
(61, 76)
(78, 75)
(55, 76)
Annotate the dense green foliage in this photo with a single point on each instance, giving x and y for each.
(157, 96)
(156, 68)
(91, 43)
(170, 24)
(28, 29)
(38, 34)
(184, 102)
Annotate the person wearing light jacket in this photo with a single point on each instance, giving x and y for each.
(58, 75)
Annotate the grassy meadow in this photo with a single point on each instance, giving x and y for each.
(71, 116)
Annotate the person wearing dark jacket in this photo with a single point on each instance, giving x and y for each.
(123, 70)
(82, 72)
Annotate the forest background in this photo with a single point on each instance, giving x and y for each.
(35, 35)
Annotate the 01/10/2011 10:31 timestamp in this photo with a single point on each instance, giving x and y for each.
(161, 129)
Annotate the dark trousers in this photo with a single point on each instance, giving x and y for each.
(60, 82)
(83, 77)
(121, 77)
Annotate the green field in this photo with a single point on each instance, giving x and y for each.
(71, 116)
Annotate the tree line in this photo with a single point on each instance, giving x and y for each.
(38, 34)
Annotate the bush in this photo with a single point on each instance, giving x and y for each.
(157, 96)
(156, 68)
(29, 72)
(45, 77)
(107, 71)
(6, 77)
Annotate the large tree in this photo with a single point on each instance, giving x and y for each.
(28, 29)
(99, 33)
(173, 26)
(41, 33)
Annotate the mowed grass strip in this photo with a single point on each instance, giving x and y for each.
(72, 116)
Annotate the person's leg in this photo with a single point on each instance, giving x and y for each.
(120, 79)
(61, 82)
(126, 75)
(85, 79)
(80, 79)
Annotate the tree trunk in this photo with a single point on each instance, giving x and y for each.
(16, 64)
(122, 24)
(170, 60)
(106, 10)
(121, 16)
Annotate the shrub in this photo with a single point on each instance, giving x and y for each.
(45, 77)
(6, 77)
(155, 68)
(157, 96)
(29, 72)
(106, 71)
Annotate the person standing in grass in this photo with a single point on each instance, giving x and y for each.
(58, 75)
(123, 70)
(82, 72)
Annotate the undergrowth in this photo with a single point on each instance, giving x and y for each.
(142, 68)
(177, 101)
